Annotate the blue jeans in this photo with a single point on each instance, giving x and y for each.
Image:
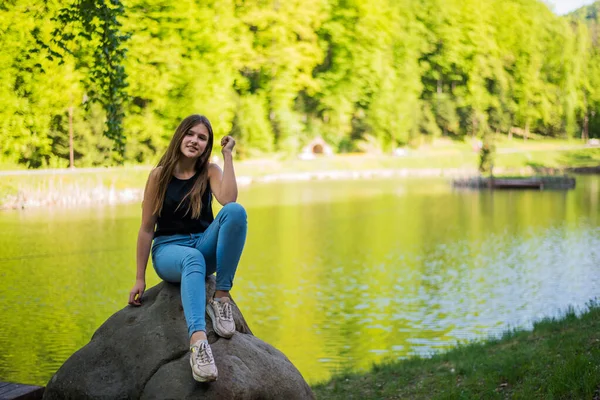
(190, 258)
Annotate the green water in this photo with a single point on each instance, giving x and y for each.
(335, 274)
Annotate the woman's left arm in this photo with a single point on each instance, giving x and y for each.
(223, 183)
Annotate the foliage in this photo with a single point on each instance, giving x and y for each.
(486, 154)
(89, 31)
(276, 74)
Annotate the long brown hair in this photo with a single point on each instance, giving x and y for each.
(170, 158)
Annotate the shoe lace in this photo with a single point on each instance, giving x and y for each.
(225, 310)
(203, 354)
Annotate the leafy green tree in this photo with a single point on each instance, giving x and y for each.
(90, 31)
(364, 75)
(252, 126)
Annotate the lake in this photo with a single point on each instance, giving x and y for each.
(336, 274)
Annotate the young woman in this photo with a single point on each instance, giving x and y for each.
(189, 244)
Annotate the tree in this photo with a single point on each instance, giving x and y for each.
(90, 31)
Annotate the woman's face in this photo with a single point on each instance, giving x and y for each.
(194, 141)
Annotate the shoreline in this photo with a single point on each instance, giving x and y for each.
(87, 186)
(558, 358)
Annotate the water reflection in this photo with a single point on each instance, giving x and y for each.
(334, 274)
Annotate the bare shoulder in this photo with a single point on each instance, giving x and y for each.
(155, 173)
(153, 177)
(213, 169)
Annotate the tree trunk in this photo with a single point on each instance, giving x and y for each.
(586, 119)
(585, 135)
(71, 157)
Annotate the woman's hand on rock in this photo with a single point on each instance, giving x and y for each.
(135, 295)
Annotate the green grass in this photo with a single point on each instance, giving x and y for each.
(551, 158)
(79, 186)
(513, 157)
(559, 359)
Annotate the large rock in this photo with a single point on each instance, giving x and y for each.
(142, 353)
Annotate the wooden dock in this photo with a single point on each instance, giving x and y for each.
(17, 391)
(517, 182)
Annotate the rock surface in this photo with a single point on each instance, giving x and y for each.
(142, 353)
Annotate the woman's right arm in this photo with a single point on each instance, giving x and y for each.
(144, 240)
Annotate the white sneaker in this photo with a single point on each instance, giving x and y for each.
(221, 314)
(202, 362)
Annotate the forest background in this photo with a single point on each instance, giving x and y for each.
(366, 75)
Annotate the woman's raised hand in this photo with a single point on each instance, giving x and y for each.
(227, 142)
(135, 296)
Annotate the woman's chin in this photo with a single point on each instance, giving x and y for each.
(191, 154)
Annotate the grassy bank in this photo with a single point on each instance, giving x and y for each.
(559, 359)
(513, 155)
(23, 188)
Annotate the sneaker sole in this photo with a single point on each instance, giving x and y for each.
(199, 378)
(218, 331)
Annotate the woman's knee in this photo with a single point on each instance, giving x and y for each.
(193, 261)
(235, 211)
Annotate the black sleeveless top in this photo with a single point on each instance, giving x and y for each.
(173, 220)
